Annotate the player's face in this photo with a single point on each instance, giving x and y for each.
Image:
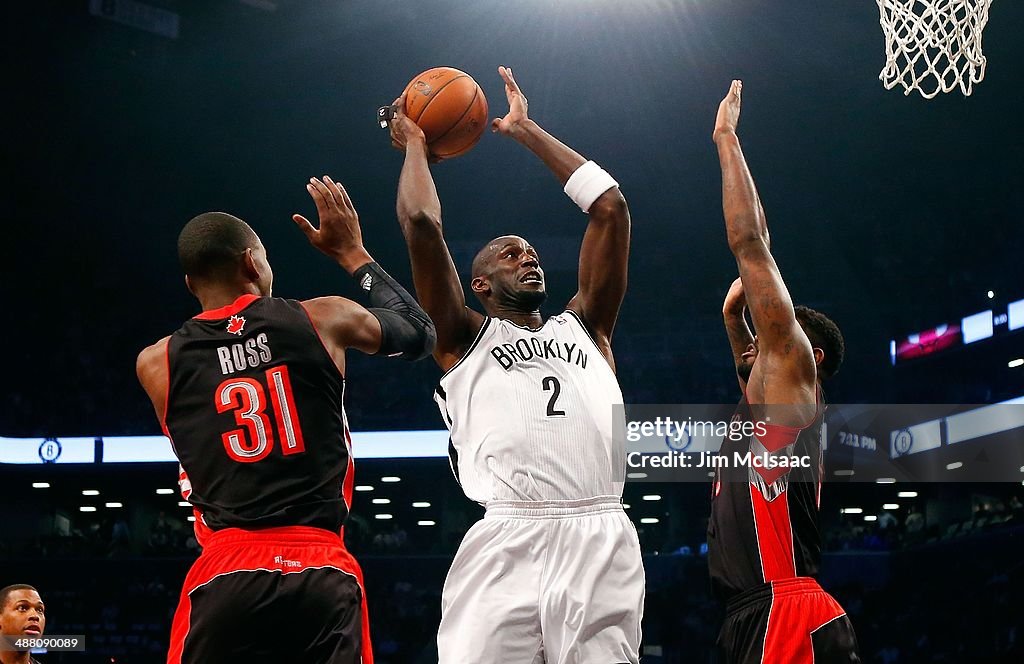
(22, 614)
(516, 275)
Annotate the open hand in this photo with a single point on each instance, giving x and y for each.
(517, 105)
(339, 235)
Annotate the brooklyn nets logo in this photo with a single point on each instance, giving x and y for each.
(49, 450)
(903, 442)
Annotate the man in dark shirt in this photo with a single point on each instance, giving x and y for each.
(763, 541)
(250, 394)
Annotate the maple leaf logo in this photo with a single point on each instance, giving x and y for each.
(235, 325)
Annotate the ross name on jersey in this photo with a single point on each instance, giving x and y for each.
(245, 355)
(524, 350)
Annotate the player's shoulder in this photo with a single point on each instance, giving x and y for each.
(158, 348)
(152, 357)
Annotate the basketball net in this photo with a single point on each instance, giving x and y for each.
(933, 46)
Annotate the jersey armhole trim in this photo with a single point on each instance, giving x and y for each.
(167, 395)
(587, 332)
(472, 347)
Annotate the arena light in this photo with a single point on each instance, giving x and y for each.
(1013, 364)
(364, 487)
(383, 516)
(846, 472)
(636, 476)
(90, 492)
(426, 523)
(891, 506)
(870, 517)
(649, 519)
(991, 294)
(954, 465)
(851, 510)
(191, 518)
(977, 326)
(391, 478)
(711, 473)
(164, 492)
(46, 485)
(886, 480)
(1015, 315)
(381, 501)
(113, 505)
(626, 506)
(184, 503)
(907, 494)
(652, 497)
(86, 508)
(421, 504)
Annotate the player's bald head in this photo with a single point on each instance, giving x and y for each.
(484, 260)
(211, 243)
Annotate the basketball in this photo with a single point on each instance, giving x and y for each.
(449, 107)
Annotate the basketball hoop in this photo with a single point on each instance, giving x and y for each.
(933, 46)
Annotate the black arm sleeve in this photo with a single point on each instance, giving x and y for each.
(406, 330)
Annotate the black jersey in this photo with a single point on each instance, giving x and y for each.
(764, 521)
(255, 415)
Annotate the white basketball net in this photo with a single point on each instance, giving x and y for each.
(933, 46)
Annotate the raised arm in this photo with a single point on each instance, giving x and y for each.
(394, 325)
(433, 271)
(785, 371)
(605, 251)
(734, 315)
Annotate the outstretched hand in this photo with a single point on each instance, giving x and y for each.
(517, 105)
(729, 111)
(339, 235)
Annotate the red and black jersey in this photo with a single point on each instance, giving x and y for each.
(764, 521)
(255, 415)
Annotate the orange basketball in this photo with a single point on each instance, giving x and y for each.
(449, 107)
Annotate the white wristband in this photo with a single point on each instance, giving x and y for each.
(587, 183)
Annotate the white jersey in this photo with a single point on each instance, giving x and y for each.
(531, 414)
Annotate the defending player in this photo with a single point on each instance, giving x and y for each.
(553, 572)
(250, 394)
(763, 541)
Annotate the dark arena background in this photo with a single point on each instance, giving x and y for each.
(898, 216)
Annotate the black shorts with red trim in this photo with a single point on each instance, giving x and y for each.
(792, 621)
(291, 594)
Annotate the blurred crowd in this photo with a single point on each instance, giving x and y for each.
(902, 580)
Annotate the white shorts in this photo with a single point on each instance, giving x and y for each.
(555, 582)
